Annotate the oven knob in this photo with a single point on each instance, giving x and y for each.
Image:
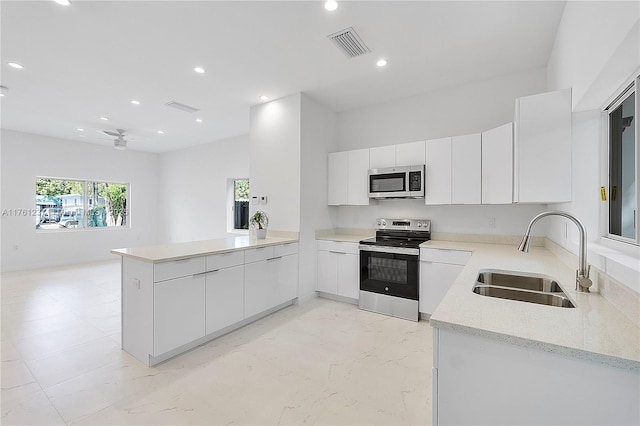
(384, 223)
(379, 223)
(419, 224)
(386, 289)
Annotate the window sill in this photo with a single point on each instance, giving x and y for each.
(238, 231)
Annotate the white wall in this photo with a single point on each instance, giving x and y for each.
(459, 110)
(274, 160)
(25, 156)
(193, 189)
(471, 108)
(588, 37)
(318, 138)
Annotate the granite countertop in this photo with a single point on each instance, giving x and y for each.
(167, 252)
(345, 235)
(594, 330)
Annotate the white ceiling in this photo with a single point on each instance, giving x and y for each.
(91, 58)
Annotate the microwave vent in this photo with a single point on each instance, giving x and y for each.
(349, 42)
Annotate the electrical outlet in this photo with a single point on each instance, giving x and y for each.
(136, 283)
(16, 247)
(492, 222)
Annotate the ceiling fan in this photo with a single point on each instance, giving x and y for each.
(119, 142)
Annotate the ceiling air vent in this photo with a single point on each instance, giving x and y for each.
(349, 42)
(181, 107)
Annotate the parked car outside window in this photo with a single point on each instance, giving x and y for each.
(51, 214)
(71, 218)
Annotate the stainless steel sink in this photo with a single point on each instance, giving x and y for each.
(524, 288)
(522, 282)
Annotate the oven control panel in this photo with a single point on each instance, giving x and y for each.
(404, 224)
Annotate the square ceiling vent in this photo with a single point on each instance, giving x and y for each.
(349, 42)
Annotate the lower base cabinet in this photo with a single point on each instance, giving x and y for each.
(439, 268)
(179, 312)
(224, 298)
(338, 268)
(269, 283)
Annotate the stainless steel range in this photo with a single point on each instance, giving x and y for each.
(390, 265)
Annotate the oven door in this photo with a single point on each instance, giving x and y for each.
(391, 183)
(393, 274)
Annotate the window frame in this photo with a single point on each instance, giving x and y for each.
(631, 85)
(85, 205)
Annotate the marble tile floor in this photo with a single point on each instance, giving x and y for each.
(322, 362)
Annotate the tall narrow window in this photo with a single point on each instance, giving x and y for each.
(241, 204)
(623, 190)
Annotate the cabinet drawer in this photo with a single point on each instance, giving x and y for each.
(258, 254)
(456, 257)
(337, 246)
(225, 260)
(285, 249)
(178, 268)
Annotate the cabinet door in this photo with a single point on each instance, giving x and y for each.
(358, 181)
(410, 154)
(348, 275)
(383, 156)
(286, 269)
(259, 287)
(543, 148)
(466, 171)
(435, 280)
(327, 272)
(438, 182)
(337, 177)
(497, 165)
(178, 315)
(224, 293)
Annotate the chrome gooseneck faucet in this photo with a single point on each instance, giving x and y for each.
(582, 274)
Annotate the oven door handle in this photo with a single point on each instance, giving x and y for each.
(391, 250)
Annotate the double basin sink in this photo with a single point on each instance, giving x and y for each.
(524, 288)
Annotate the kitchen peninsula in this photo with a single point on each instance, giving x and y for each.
(178, 296)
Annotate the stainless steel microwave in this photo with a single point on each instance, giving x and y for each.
(397, 182)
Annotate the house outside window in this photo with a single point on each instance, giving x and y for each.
(241, 204)
(68, 203)
(623, 166)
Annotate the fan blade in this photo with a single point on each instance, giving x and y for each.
(109, 133)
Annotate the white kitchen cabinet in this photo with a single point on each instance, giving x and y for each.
(410, 154)
(224, 293)
(179, 312)
(542, 148)
(357, 177)
(338, 268)
(439, 268)
(347, 178)
(466, 170)
(338, 174)
(348, 275)
(270, 282)
(382, 156)
(497, 165)
(438, 175)
(483, 381)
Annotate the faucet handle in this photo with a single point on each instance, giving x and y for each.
(582, 281)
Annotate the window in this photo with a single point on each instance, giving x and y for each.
(623, 166)
(241, 204)
(62, 203)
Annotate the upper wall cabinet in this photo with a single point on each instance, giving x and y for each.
(542, 148)
(497, 165)
(466, 170)
(347, 178)
(406, 154)
(438, 175)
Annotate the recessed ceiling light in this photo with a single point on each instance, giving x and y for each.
(199, 70)
(63, 2)
(161, 132)
(135, 102)
(104, 118)
(3, 90)
(80, 129)
(381, 62)
(15, 65)
(331, 5)
(198, 120)
(264, 98)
